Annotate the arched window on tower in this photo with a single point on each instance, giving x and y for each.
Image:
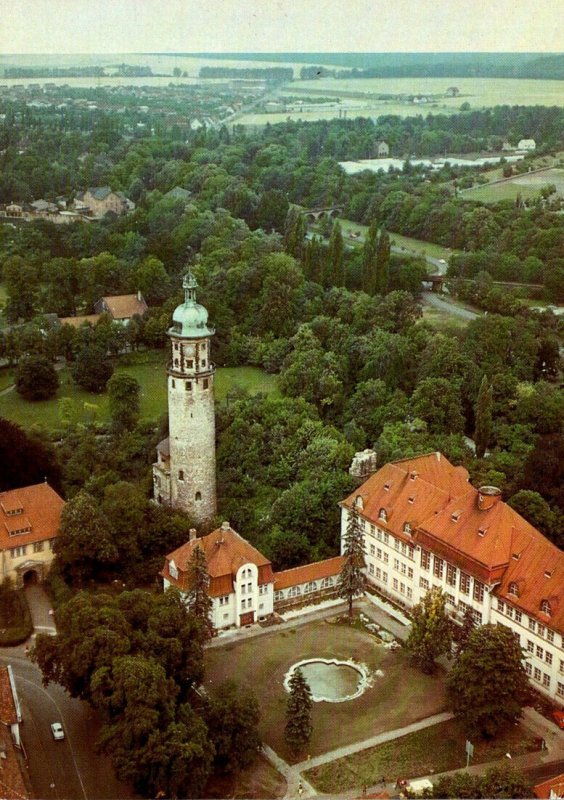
(198, 495)
(180, 474)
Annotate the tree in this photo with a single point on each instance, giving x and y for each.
(498, 782)
(382, 272)
(351, 579)
(232, 719)
(199, 600)
(537, 511)
(36, 378)
(430, 635)
(92, 369)
(335, 263)
(25, 459)
(488, 685)
(483, 414)
(437, 401)
(84, 544)
(462, 633)
(123, 397)
(369, 258)
(299, 728)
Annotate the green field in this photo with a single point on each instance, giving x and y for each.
(494, 193)
(412, 246)
(149, 370)
(400, 696)
(442, 320)
(431, 751)
(362, 96)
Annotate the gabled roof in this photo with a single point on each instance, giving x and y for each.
(99, 192)
(226, 552)
(38, 507)
(76, 322)
(9, 709)
(555, 784)
(12, 786)
(125, 306)
(309, 572)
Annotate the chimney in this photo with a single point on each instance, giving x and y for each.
(192, 534)
(414, 475)
(225, 526)
(139, 295)
(488, 496)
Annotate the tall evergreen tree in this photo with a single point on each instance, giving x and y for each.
(298, 712)
(430, 635)
(351, 579)
(199, 600)
(483, 414)
(336, 261)
(382, 273)
(369, 257)
(294, 233)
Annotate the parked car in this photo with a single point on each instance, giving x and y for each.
(558, 717)
(57, 730)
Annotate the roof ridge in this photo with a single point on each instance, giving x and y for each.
(309, 564)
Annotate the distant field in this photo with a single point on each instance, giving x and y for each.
(528, 186)
(150, 374)
(413, 246)
(362, 95)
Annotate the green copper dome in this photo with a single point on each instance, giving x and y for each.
(190, 320)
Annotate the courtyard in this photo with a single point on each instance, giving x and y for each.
(397, 697)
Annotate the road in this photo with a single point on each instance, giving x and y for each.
(443, 304)
(68, 769)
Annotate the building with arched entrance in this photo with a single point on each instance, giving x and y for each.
(29, 524)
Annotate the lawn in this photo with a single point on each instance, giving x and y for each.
(148, 368)
(412, 246)
(6, 378)
(401, 696)
(443, 320)
(259, 780)
(508, 190)
(431, 751)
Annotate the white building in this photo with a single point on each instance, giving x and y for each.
(527, 144)
(184, 473)
(426, 526)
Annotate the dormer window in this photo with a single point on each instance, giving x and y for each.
(407, 527)
(387, 486)
(516, 556)
(547, 573)
(383, 515)
(482, 531)
(545, 608)
(411, 500)
(359, 502)
(173, 570)
(513, 589)
(455, 516)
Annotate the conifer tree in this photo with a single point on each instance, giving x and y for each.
(294, 233)
(299, 727)
(351, 579)
(382, 272)
(199, 600)
(336, 261)
(430, 635)
(483, 414)
(369, 258)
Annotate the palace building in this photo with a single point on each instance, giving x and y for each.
(426, 526)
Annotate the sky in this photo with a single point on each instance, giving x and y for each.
(122, 26)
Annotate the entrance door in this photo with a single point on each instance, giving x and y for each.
(247, 619)
(30, 578)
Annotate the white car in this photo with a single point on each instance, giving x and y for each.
(57, 730)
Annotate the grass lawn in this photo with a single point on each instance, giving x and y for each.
(443, 320)
(501, 191)
(431, 751)
(148, 368)
(412, 246)
(6, 378)
(401, 696)
(259, 780)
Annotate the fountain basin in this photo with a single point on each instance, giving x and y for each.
(331, 680)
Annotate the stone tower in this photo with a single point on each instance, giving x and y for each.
(184, 474)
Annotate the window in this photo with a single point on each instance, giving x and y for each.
(546, 680)
(176, 345)
(562, 666)
(37, 547)
(540, 651)
(379, 535)
(310, 587)
(173, 571)
(188, 386)
(548, 657)
(224, 600)
(206, 383)
(509, 611)
(541, 630)
(395, 584)
(263, 588)
(180, 474)
(279, 595)
(513, 589)
(451, 575)
(243, 589)
(425, 560)
(477, 617)
(530, 646)
(384, 577)
(203, 362)
(528, 669)
(500, 606)
(550, 635)
(386, 538)
(410, 572)
(438, 567)
(379, 554)
(396, 565)
(190, 363)
(560, 689)
(173, 383)
(545, 608)
(407, 528)
(424, 583)
(450, 599)
(537, 674)
(226, 616)
(16, 552)
(532, 625)
(409, 593)
(203, 347)
(198, 495)
(249, 587)
(464, 583)
(478, 591)
(326, 582)
(372, 550)
(372, 529)
(386, 558)
(518, 616)
(371, 569)
(295, 591)
(396, 544)
(382, 515)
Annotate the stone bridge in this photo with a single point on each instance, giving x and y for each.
(314, 214)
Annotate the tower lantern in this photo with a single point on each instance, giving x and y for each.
(184, 473)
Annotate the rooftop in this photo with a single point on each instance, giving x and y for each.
(35, 510)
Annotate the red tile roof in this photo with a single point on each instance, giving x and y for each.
(76, 322)
(37, 507)
(8, 711)
(555, 784)
(125, 306)
(12, 783)
(309, 572)
(226, 552)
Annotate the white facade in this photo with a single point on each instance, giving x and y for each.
(404, 572)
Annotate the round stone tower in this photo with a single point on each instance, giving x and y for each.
(191, 410)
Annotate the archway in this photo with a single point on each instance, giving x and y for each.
(30, 578)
